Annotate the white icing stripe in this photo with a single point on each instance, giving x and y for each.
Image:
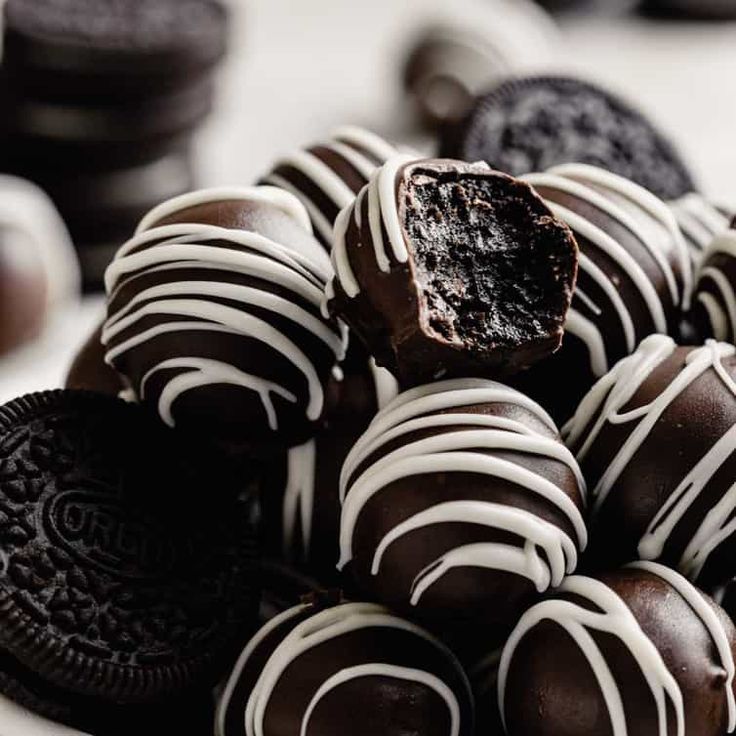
(657, 210)
(727, 303)
(386, 386)
(323, 177)
(716, 316)
(261, 635)
(613, 617)
(621, 256)
(265, 194)
(615, 390)
(365, 140)
(298, 500)
(246, 325)
(586, 331)
(159, 253)
(321, 224)
(559, 549)
(710, 620)
(449, 462)
(390, 672)
(319, 629)
(361, 163)
(699, 221)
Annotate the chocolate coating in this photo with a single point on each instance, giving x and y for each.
(352, 668)
(89, 372)
(638, 651)
(446, 268)
(656, 439)
(634, 279)
(299, 495)
(218, 326)
(714, 300)
(460, 503)
(326, 176)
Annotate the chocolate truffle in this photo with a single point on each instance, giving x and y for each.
(460, 501)
(700, 222)
(634, 279)
(39, 273)
(354, 668)
(214, 319)
(447, 268)
(656, 440)
(327, 176)
(300, 493)
(89, 372)
(714, 300)
(637, 651)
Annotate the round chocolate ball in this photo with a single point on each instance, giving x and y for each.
(214, 316)
(656, 440)
(460, 502)
(352, 668)
(39, 272)
(299, 493)
(89, 372)
(326, 176)
(633, 280)
(637, 651)
(445, 268)
(714, 300)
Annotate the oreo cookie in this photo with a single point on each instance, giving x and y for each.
(74, 50)
(534, 123)
(116, 581)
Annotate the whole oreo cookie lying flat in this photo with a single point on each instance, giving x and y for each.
(534, 123)
(116, 582)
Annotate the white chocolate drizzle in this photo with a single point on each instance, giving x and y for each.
(383, 220)
(650, 222)
(465, 442)
(362, 150)
(196, 304)
(320, 629)
(609, 614)
(604, 406)
(715, 291)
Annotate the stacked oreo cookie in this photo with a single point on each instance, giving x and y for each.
(100, 102)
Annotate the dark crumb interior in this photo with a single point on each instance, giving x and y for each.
(493, 265)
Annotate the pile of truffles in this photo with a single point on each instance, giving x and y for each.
(376, 345)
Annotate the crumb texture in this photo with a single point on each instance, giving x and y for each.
(495, 269)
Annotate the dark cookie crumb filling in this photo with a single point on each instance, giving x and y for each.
(488, 261)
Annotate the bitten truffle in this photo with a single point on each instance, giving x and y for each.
(656, 440)
(638, 651)
(354, 668)
(447, 268)
(461, 502)
(214, 319)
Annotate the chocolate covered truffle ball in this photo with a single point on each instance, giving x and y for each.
(700, 221)
(214, 319)
(299, 496)
(354, 668)
(656, 440)
(448, 268)
(714, 300)
(638, 651)
(460, 502)
(39, 272)
(634, 278)
(327, 176)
